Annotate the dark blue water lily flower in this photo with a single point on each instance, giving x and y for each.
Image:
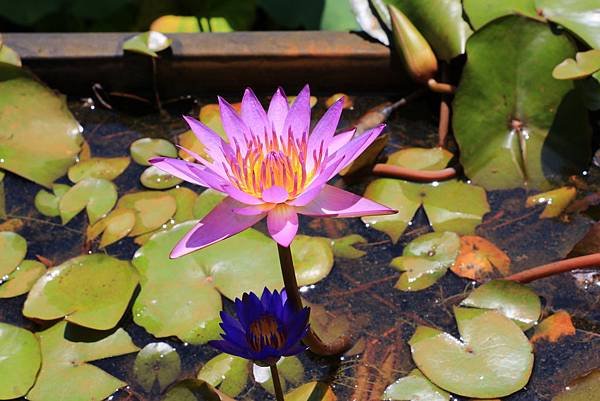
(264, 329)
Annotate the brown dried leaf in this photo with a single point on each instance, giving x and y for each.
(554, 327)
(478, 259)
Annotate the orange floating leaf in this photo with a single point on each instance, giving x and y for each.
(554, 327)
(478, 259)
(348, 100)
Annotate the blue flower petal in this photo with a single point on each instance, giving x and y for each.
(229, 348)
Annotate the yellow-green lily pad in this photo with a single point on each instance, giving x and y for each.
(21, 280)
(185, 200)
(195, 390)
(344, 247)
(515, 301)
(27, 109)
(227, 372)
(98, 196)
(155, 178)
(206, 201)
(585, 388)
(114, 227)
(421, 158)
(414, 387)
(89, 290)
(556, 201)
(425, 260)
(156, 362)
(291, 371)
(450, 205)
(481, 12)
(9, 56)
(492, 359)
(585, 64)
(148, 43)
(65, 374)
(47, 203)
(145, 149)
(180, 297)
(152, 210)
(107, 168)
(312, 391)
(13, 248)
(20, 361)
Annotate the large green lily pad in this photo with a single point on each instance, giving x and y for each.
(98, 196)
(22, 279)
(515, 301)
(426, 259)
(514, 124)
(147, 43)
(480, 12)
(13, 248)
(107, 168)
(492, 359)
(156, 362)
(450, 206)
(228, 372)
(578, 16)
(65, 373)
(28, 108)
(440, 22)
(415, 387)
(19, 361)
(89, 290)
(180, 297)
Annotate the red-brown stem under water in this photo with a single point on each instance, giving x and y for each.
(411, 174)
(314, 343)
(535, 273)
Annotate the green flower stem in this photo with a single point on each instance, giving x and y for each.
(276, 382)
(314, 343)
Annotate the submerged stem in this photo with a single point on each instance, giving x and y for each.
(314, 343)
(581, 262)
(276, 382)
(411, 174)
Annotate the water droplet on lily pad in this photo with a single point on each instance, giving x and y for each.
(107, 168)
(155, 178)
(156, 362)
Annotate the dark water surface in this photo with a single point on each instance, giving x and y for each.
(382, 317)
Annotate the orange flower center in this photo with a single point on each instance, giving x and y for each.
(265, 332)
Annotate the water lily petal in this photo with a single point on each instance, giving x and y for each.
(314, 188)
(190, 172)
(235, 128)
(215, 146)
(253, 210)
(240, 195)
(254, 115)
(340, 140)
(217, 225)
(278, 110)
(325, 128)
(282, 222)
(275, 194)
(229, 348)
(336, 202)
(298, 119)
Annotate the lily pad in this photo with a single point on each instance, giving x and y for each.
(421, 158)
(145, 149)
(450, 206)
(584, 64)
(479, 259)
(515, 301)
(65, 373)
(556, 201)
(2, 197)
(585, 388)
(21, 280)
(290, 370)
(415, 387)
(152, 210)
(9, 56)
(180, 297)
(27, 108)
(98, 196)
(156, 362)
(480, 12)
(89, 290)
(185, 200)
(228, 372)
(20, 361)
(155, 178)
(554, 327)
(426, 259)
(312, 391)
(492, 359)
(13, 248)
(47, 203)
(516, 125)
(344, 247)
(578, 16)
(148, 43)
(206, 201)
(107, 168)
(113, 227)
(440, 21)
(195, 390)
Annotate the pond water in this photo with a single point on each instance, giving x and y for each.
(381, 317)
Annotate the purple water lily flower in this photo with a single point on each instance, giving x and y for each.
(264, 329)
(271, 167)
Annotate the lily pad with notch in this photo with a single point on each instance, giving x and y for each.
(22, 279)
(98, 196)
(145, 149)
(107, 168)
(114, 227)
(13, 249)
(48, 203)
(414, 387)
(227, 372)
(152, 210)
(156, 363)
(20, 361)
